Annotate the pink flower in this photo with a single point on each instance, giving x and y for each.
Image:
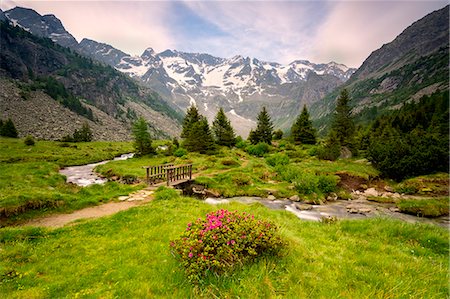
(190, 254)
(232, 242)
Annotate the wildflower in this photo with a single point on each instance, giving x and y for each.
(190, 254)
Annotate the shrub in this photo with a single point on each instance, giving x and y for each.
(163, 193)
(222, 241)
(329, 152)
(306, 183)
(327, 183)
(241, 179)
(258, 150)
(180, 152)
(240, 143)
(229, 162)
(277, 159)
(29, 140)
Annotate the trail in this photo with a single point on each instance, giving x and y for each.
(126, 202)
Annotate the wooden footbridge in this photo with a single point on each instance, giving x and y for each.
(172, 175)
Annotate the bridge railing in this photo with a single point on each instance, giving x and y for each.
(168, 173)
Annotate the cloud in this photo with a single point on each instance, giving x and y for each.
(128, 26)
(354, 29)
(277, 31)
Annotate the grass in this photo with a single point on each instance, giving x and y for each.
(128, 255)
(30, 183)
(425, 207)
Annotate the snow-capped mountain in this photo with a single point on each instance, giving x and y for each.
(241, 85)
(44, 26)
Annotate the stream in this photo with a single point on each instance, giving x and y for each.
(84, 175)
(341, 209)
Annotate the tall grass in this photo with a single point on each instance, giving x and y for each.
(128, 255)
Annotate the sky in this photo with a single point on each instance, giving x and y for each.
(276, 31)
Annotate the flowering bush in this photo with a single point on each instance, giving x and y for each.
(223, 240)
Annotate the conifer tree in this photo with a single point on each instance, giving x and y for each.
(343, 125)
(84, 134)
(142, 138)
(199, 137)
(223, 131)
(302, 130)
(264, 129)
(192, 116)
(8, 129)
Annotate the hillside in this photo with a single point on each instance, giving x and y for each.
(94, 92)
(414, 64)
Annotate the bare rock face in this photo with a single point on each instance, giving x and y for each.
(44, 118)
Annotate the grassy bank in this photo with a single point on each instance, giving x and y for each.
(30, 183)
(128, 255)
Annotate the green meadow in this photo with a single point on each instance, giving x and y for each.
(128, 255)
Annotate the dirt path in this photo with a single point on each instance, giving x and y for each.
(125, 203)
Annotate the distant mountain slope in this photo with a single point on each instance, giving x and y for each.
(414, 64)
(241, 85)
(36, 64)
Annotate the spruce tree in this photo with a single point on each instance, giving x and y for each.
(9, 130)
(142, 138)
(302, 130)
(264, 129)
(223, 131)
(199, 137)
(192, 117)
(343, 125)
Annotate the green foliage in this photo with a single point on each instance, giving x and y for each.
(180, 152)
(142, 138)
(277, 159)
(84, 134)
(175, 142)
(278, 134)
(431, 207)
(164, 193)
(413, 141)
(302, 130)
(29, 140)
(343, 125)
(241, 143)
(222, 129)
(58, 92)
(264, 129)
(196, 132)
(258, 150)
(8, 129)
(224, 240)
(331, 150)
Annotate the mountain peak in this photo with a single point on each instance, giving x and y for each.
(149, 52)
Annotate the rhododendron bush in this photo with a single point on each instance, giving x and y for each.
(224, 240)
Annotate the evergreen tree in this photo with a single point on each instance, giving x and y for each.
(199, 137)
(8, 129)
(84, 134)
(302, 130)
(192, 117)
(142, 138)
(264, 129)
(223, 131)
(343, 124)
(278, 134)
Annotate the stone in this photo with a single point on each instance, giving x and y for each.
(332, 197)
(388, 188)
(211, 193)
(294, 198)
(122, 198)
(303, 207)
(371, 192)
(364, 210)
(394, 209)
(271, 197)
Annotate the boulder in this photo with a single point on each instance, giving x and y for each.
(303, 207)
(371, 192)
(294, 198)
(271, 197)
